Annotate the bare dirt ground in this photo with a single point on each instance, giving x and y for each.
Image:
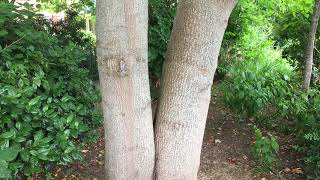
(226, 153)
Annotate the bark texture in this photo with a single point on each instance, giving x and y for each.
(122, 27)
(310, 47)
(186, 86)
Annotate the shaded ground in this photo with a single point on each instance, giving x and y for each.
(225, 153)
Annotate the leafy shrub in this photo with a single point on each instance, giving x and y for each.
(70, 30)
(291, 27)
(257, 79)
(161, 18)
(47, 102)
(258, 76)
(305, 111)
(161, 15)
(264, 150)
(261, 80)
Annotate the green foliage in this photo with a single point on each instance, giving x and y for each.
(70, 30)
(305, 112)
(258, 76)
(47, 102)
(252, 85)
(161, 15)
(85, 6)
(292, 27)
(261, 79)
(265, 149)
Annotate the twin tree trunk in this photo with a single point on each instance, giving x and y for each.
(310, 47)
(172, 151)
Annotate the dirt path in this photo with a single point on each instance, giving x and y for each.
(225, 153)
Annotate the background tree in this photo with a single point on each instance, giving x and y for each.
(311, 45)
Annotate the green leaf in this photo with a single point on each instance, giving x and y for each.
(4, 171)
(9, 154)
(20, 139)
(274, 144)
(241, 94)
(33, 153)
(18, 125)
(259, 85)
(46, 140)
(38, 136)
(68, 150)
(36, 82)
(45, 108)
(18, 56)
(42, 157)
(34, 100)
(25, 155)
(4, 143)
(65, 98)
(42, 153)
(15, 166)
(7, 135)
(3, 32)
(69, 118)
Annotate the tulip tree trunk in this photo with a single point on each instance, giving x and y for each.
(188, 73)
(310, 47)
(186, 86)
(122, 57)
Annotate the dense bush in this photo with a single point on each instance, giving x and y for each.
(253, 85)
(70, 30)
(290, 28)
(262, 80)
(311, 134)
(161, 18)
(47, 102)
(161, 15)
(304, 110)
(257, 76)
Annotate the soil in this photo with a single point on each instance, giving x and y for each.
(226, 153)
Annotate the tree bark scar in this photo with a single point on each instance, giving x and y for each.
(123, 68)
(114, 66)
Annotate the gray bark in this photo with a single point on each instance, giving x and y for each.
(310, 47)
(186, 86)
(122, 60)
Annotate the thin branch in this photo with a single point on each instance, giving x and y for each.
(316, 49)
(15, 42)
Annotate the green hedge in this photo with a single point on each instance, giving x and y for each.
(47, 101)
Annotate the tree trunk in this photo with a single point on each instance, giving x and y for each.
(122, 60)
(310, 47)
(186, 86)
